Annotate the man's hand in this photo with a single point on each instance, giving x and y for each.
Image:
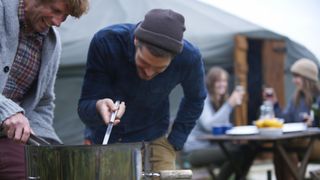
(17, 128)
(106, 106)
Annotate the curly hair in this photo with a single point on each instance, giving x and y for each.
(76, 7)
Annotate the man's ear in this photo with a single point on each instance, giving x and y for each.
(135, 42)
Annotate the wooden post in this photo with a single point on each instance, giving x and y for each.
(240, 73)
(273, 65)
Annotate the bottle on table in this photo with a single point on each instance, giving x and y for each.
(266, 110)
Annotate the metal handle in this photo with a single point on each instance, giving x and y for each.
(175, 174)
(30, 177)
(114, 114)
(170, 174)
(110, 125)
(37, 141)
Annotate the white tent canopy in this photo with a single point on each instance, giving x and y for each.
(294, 18)
(211, 29)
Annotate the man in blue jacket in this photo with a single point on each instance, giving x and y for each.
(140, 65)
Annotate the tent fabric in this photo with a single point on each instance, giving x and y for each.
(209, 28)
(204, 25)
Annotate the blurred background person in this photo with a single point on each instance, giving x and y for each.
(216, 112)
(305, 98)
(302, 107)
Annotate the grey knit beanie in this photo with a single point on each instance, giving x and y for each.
(305, 68)
(162, 28)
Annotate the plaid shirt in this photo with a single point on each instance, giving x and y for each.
(26, 65)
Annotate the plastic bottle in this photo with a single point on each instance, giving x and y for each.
(266, 110)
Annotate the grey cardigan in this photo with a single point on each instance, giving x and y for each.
(38, 104)
(209, 118)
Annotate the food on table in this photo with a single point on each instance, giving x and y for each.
(269, 123)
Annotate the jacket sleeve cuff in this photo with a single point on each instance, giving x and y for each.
(177, 140)
(8, 108)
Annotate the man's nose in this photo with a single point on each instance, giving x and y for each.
(57, 20)
(149, 72)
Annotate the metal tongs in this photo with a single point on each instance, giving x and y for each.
(110, 124)
(37, 141)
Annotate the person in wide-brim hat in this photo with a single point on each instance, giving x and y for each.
(303, 107)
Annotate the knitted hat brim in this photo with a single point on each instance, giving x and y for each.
(160, 40)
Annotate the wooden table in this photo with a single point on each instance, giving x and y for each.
(278, 145)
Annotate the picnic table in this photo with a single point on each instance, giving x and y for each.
(278, 145)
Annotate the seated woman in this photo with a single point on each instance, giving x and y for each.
(216, 112)
(300, 108)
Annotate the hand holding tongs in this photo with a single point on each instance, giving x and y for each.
(110, 124)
